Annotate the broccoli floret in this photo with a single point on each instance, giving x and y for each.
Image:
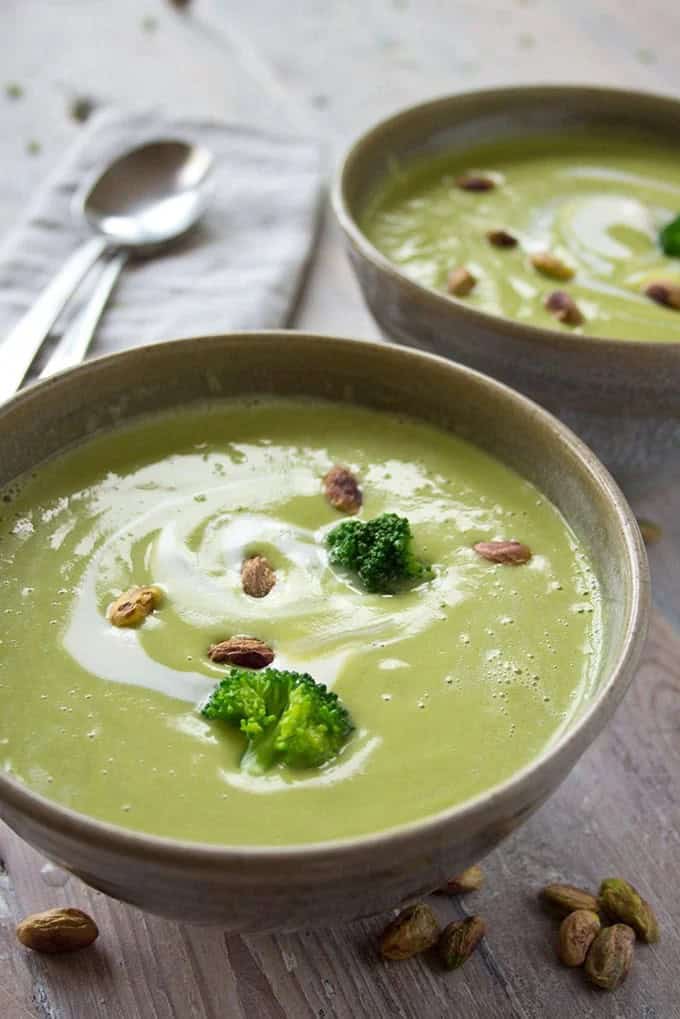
(287, 717)
(378, 551)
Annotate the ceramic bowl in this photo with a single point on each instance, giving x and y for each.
(265, 888)
(622, 397)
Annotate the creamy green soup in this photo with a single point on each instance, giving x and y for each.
(452, 685)
(596, 203)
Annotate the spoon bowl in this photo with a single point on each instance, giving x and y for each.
(149, 195)
(146, 198)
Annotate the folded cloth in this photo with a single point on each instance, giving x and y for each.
(239, 269)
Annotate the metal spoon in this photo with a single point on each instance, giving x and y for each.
(144, 199)
(75, 341)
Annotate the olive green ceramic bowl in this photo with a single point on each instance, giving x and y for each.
(270, 888)
(622, 397)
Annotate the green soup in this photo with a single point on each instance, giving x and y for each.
(453, 685)
(596, 204)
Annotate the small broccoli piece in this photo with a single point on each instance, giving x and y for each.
(378, 551)
(670, 238)
(287, 717)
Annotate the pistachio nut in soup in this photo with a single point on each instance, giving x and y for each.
(562, 232)
(279, 622)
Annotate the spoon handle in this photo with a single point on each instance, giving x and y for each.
(23, 342)
(74, 344)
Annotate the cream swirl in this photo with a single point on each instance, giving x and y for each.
(192, 547)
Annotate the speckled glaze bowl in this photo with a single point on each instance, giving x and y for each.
(622, 397)
(264, 888)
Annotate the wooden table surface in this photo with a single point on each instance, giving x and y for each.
(331, 67)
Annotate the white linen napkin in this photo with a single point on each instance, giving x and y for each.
(239, 269)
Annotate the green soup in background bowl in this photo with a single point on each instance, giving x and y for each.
(472, 691)
(599, 210)
(587, 176)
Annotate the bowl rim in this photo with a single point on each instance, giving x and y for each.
(89, 830)
(447, 303)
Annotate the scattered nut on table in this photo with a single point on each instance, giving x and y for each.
(458, 940)
(585, 938)
(414, 930)
(610, 956)
(469, 880)
(567, 898)
(578, 930)
(57, 930)
(620, 901)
